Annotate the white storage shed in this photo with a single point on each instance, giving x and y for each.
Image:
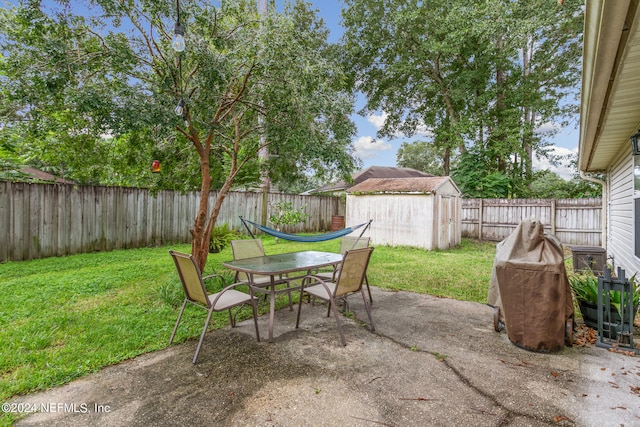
(419, 212)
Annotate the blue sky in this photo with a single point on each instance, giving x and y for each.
(382, 152)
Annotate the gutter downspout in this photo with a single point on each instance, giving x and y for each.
(604, 205)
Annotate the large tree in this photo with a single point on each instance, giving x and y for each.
(105, 83)
(480, 74)
(420, 155)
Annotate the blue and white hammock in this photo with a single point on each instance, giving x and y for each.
(299, 238)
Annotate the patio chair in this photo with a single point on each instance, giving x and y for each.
(349, 281)
(347, 243)
(252, 248)
(196, 294)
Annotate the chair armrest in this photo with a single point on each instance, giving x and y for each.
(311, 279)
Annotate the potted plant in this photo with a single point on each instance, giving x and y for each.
(585, 290)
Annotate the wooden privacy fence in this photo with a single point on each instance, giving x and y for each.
(43, 220)
(573, 221)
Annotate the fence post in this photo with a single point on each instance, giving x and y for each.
(480, 209)
(553, 216)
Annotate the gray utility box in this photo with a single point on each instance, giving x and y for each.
(589, 258)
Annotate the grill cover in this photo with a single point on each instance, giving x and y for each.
(530, 287)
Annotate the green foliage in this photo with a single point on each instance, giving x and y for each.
(477, 177)
(548, 185)
(479, 75)
(171, 292)
(10, 171)
(221, 236)
(422, 156)
(93, 95)
(285, 214)
(584, 287)
(439, 357)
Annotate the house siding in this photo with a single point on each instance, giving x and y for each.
(620, 229)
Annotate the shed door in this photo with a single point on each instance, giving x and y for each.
(446, 228)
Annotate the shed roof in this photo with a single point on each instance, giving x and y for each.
(425, 185)
(43, 176)
(373, 172)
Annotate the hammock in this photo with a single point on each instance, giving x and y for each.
(298, 238)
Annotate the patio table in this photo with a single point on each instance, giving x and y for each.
(280, 264)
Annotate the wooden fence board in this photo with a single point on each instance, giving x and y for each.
(47, 241)
(75, 224)
(22, 220)
(5, 218)
(573, 221)
(40, 220)
(34, 230)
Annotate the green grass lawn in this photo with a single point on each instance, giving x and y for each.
(62, 318)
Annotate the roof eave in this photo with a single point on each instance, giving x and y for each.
(603, 111)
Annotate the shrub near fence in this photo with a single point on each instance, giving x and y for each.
(42, 220)
(573, 221)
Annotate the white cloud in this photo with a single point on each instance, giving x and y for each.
(548, 127)
(563, 169)
(423, 130)
(377, 120)
(366, 147)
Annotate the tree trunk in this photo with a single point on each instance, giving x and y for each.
(529, 114)
(500, 110)
(203, 226)
(199, 235)
(446, 161)
(449, 108)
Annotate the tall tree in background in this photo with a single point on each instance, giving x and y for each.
(482, 75)
(422, 156)
(74, 79)
(539, 49)
(403, 60)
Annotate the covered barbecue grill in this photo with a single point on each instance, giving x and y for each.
(529, 290)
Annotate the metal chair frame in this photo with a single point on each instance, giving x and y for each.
(349, 281)
(197, 295)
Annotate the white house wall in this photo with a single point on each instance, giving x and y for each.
(398, 219)
(620, 228)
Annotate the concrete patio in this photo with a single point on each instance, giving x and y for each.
(431, 361)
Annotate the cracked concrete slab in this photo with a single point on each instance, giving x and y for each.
(431, 361)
